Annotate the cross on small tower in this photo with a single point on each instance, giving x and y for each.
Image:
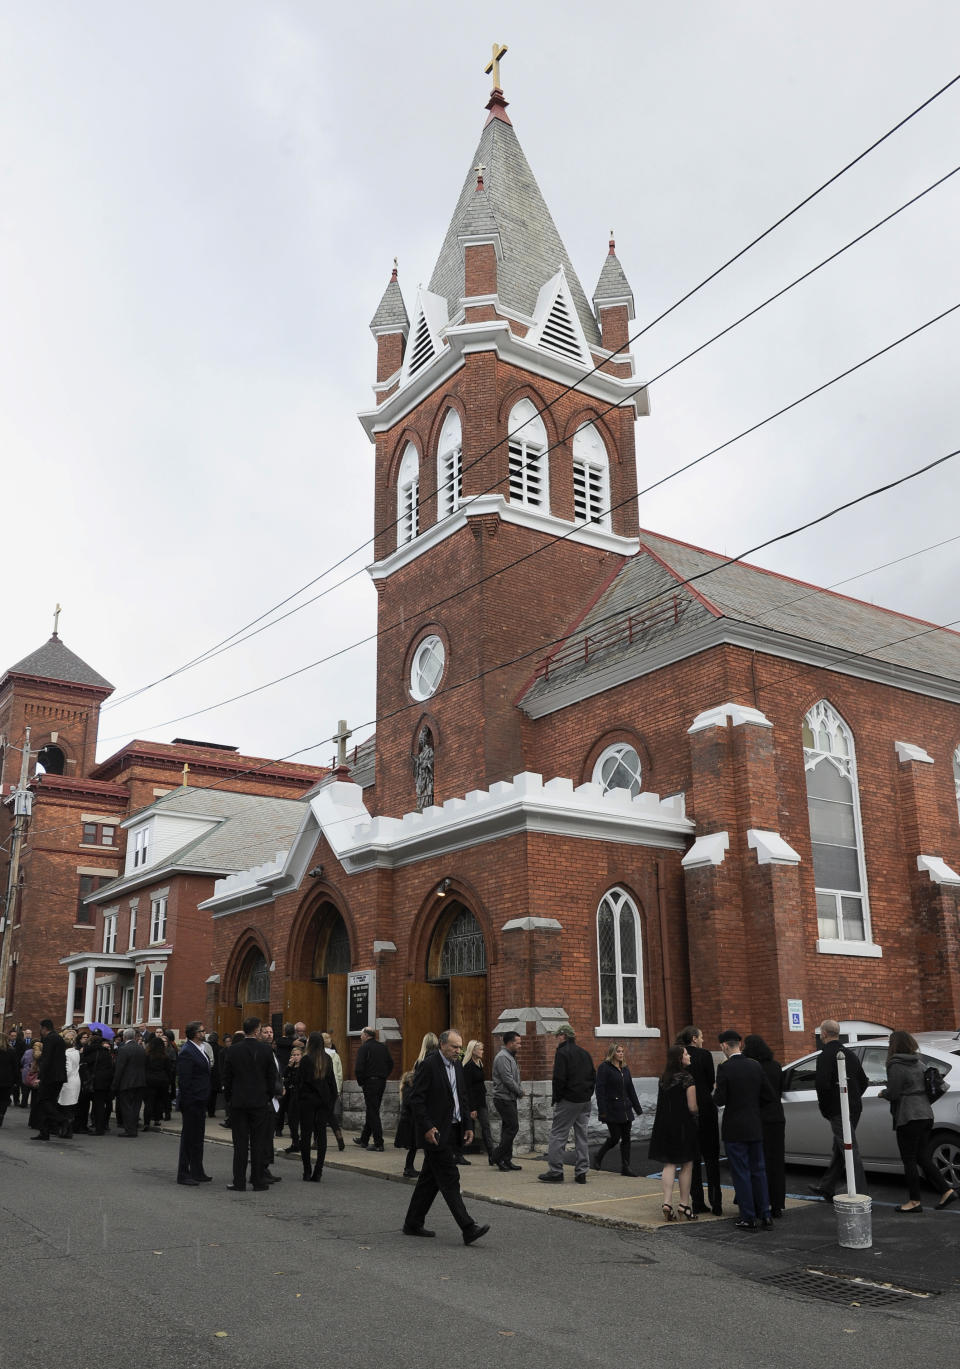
(479, 169)
(341, 737)
(493, 66)
(186, 772)
(56, 619)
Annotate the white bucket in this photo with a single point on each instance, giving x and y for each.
(854, 1222)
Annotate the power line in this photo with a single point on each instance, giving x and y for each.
(215, 650)
(413, 615)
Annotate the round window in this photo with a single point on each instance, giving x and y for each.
(618, 767)
(427, 669)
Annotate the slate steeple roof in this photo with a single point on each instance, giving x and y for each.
(391, 315)
(613, 286)
(54, 661)
(532, 247)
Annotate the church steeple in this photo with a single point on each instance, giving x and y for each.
(390, 326)
(613, 301)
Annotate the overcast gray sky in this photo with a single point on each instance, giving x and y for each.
(199, 207)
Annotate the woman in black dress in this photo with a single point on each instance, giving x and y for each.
(673, 1140)
(317, 1089)
(617, 1102)
(774, 1123)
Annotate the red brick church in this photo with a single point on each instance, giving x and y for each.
(615, 780)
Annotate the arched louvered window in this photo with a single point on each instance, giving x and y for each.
(833, 806)
(528, 457)
(591, 477)
(408, 496)
(620, 960)
(421, 348)
(449, 465)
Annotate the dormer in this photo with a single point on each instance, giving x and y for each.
(557, 328)
(426, 341)
(156, 833)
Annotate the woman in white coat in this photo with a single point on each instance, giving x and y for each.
(70, 1091)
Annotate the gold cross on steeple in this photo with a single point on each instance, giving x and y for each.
(493, 67)
(186, 772)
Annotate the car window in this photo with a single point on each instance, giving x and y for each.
(940, 1065)
(801, 1076)
(874, 1061)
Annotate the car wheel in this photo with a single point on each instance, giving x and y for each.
(943, 1151)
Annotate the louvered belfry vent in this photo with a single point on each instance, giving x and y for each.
(422, 350)
(588, 493)
(559, 333)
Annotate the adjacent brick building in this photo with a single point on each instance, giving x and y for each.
(615, 779)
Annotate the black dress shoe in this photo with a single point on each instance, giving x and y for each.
(274, 1178)
(579, 1178)
(204, 1178)
(504, 1167)
(260, 1188)
(341, 1144)
(462, 1160)
(548, 1177)
(190, 1183)
(237, 1188)
(631, 1174)
(41, 1137)
(511, 1165)
(766, 1224)
(418, 1231)
(291, 1150)
(700, 1209)
(380, 1148)
(358, 1142)
(717, 1211)
(410, 1173)
(743, 1225)
(473, 1233)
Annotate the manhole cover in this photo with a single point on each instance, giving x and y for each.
(845, 1289)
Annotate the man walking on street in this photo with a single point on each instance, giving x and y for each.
(441, 1117)
(828, 1097)
(374, 1066)
(193, 1091)
(250, 1085)
(129, 1082)
(507, 1092)
(573, 1079)
(741, 1088)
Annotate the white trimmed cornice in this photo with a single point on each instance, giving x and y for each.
(938, 870)
(521, 515)
(771, 848)
(906, 752)
(707, 850)
(738, 714)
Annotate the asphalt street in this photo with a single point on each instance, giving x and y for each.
(106, 1261)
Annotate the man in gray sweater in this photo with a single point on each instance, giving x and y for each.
(507, 1090)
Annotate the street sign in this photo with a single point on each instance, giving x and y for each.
(795, 1014)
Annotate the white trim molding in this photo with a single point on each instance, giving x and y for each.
(629, 1032)
(532, 924)
(938, 870)
(381, 947)
(707, 850)
(906, 751)
(771, 848)
(738, 714)
(866, 949)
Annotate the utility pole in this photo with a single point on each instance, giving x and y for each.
(22, 798)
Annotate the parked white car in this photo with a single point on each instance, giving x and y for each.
(808, 1137)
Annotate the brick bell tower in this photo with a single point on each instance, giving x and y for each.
(505, 498)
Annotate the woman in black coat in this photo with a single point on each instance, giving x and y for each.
(477, 1094)
(158, 1083)
(617, 1104)
(774, 1123)
(101, 1081)
(317, 1090)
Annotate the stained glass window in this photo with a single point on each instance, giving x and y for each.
(258, 981)
(464, 951)
(619, 960)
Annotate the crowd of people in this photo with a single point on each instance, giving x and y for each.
(76, 1079)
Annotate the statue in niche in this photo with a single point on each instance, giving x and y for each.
(423, 769)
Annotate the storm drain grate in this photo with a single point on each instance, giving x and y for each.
(848, 1290)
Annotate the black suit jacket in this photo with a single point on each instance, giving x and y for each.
(250, 1078)
(431, 1099)
(704, 1077)
(828, 1082)
(742, 1089)
(52, 1065)
(193, 1075)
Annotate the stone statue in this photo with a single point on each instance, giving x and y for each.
(423, 769)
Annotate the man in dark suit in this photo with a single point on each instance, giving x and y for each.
(193, 1090)
(374, 1067)
(828, 1097)
(741, 1088)
(52, 1075)
(250, 1086)
(129, 1082)
(441, 1117)
(704, 1079)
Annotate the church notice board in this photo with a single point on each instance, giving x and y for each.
(361, 1000)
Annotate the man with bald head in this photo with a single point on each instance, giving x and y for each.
(828, 1098)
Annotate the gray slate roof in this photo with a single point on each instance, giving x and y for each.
(532, 249)
(54, 661)
(391, 311)
(613, 283)
(740, 593)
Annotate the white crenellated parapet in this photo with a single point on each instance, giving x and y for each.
(250, 879)
(737, 714)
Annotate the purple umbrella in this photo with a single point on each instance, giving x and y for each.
(108, 1032)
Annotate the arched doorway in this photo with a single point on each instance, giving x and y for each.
(253, 986)
(455, 991)
(316, 992)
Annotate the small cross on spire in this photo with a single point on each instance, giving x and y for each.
(341, 737)
(479, 169)
(493, 66)
(56, 619)
(186, 772)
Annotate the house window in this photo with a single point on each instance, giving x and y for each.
(426, 669)
(158, 919)
(408, 496)
(618, 767)
(109, 933)
(141, 846)
(527, 456)
(156, 997)
(126, 1009)
(105, 994)
(619, 960)
(833, 806)
(133, 928)
(138, 1017)
(591, 477)
(449, 465)
(88, 885)
(98, 834)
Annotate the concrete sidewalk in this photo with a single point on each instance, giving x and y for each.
(607, 1198)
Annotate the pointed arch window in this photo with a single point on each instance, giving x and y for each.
(528, 456)
(258, 980)
(620, 961)
(836, 833)
(591, 477)
(450, 465)
(408, 496)
(464, 951)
